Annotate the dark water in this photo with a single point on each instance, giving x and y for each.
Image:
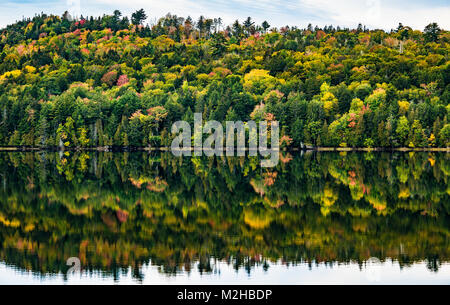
(153, 218)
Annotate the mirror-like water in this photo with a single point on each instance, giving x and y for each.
(154, 218)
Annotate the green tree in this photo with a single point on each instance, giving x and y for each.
(444, 135)
(431, 32)
(265, 25)
(418, 137)
(402, 130)
(248, 25)
(138, 17)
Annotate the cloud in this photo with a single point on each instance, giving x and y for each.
(373, 13)
(381, 14)
(385, 14)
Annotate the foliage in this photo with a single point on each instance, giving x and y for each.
(120, 210)
(326, 86)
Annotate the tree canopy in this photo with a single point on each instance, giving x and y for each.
(327, 86)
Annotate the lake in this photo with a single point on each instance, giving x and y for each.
(152, 218)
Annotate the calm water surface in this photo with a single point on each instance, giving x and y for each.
(133, 218)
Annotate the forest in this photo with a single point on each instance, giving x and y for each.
(120, 210)
(114, 81)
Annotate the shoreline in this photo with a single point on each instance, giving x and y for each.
(162, 149)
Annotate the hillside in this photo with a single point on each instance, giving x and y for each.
(111, 81)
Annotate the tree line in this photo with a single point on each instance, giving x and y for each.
(112, 81)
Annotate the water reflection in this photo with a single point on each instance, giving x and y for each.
(385, 273)
(119, 212)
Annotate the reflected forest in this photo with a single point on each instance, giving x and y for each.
(117, 211)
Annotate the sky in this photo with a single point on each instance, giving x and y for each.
(379, 14)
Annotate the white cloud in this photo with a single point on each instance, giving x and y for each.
(379, 14)
(373, 13)
(417, 19)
